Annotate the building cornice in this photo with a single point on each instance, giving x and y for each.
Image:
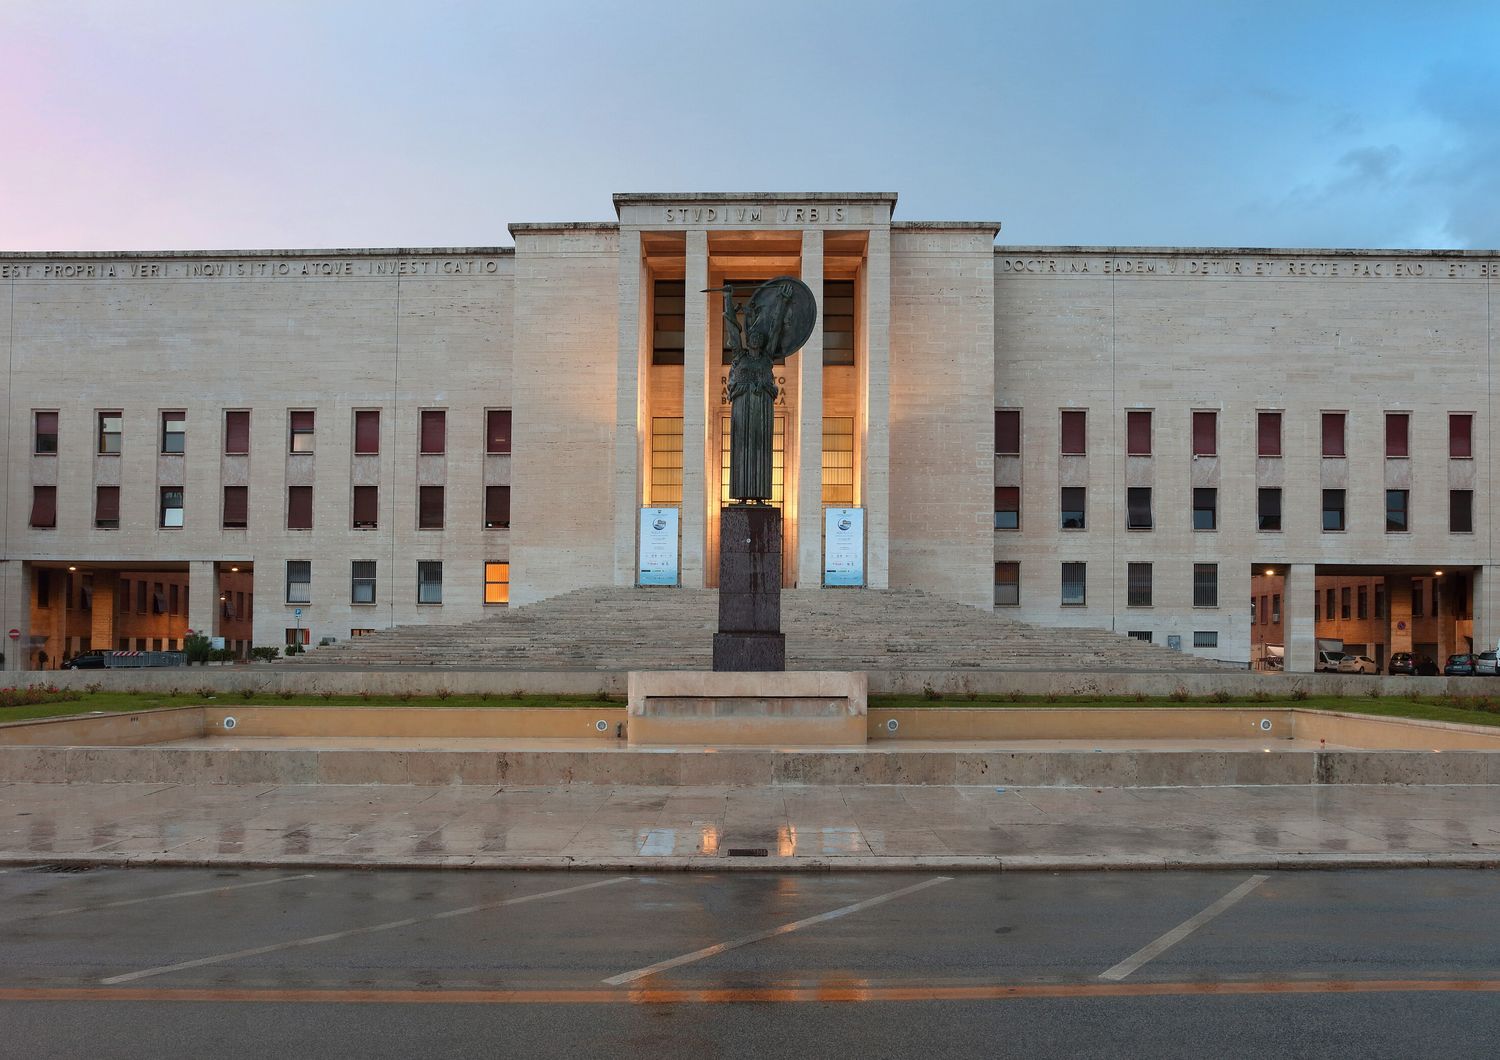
(656, 198)
(340, 252)
(1228, 252)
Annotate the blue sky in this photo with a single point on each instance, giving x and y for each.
(158, 124)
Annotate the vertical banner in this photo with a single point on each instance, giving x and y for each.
(658, 545)
(843, 546)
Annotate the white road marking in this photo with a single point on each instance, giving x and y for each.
(796, 925)
(220, 958)
(174, 894)
(1152, 950)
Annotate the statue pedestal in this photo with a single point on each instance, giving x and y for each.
(749, 636)
(803, 708)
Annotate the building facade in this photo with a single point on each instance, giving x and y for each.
(1138, 439)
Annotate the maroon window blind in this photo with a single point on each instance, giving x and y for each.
(44, 506)
(496, 507)
(1138, 432)
(366, 507)
(366, 432)
(1397, 433)
(1205, 433)
(236, 506)
(430, 508)
(1333, 434)
(497, 431)
(302, 421)
(237, 432)
(46, 424)
(1074, 432)
(299, 507)
(107, 506)
(1461, 436)
(1008, 432)
(1268, 433)
(434, 430)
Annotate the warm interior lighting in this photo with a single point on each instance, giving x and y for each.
(1270, 570)
(1438, 573)
(72, 568)
(234, 570)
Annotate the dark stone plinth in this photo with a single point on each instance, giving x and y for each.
(749, 651)
(749, 636)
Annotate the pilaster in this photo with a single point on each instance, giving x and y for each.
(875, 392)
(630, 407)
(695, 372)
(203, 596)
(808, 524)
(1302, 632)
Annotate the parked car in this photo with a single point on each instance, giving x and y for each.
(1358, 664)
(1427, 667)
(1329, 661)
(1487, 664)
(93, 659)
(1402, 662)
(1461, 665)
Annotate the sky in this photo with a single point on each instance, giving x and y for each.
(162, 125)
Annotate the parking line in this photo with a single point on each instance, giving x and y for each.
(164, 897)
(759, 936)
(313, 940)
(1155, 949)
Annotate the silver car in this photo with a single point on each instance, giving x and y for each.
(1358, 664)
(1485, 664)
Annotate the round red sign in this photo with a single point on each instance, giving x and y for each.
(15, 634)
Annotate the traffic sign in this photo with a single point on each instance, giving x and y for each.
(15, 634)
(297, 611)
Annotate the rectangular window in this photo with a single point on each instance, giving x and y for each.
(140, 598)
(1008, 432)
(497, 431)
(1138, 432)
(107, 507)
(1138, 508)
(1268, 433)
(1460, 435)
(1460, 511)
(301, 431)
(1333, 510)
(1205, 433)
(158, 599)
(236, 507)
(1138, 585)
(1253, 611)
(1275, 607)
(110, 429)
(1074, 505)
(298, 635)
(171, 508)
(1205, 585)
(434, 434)
(1333, 434)
(1205, 508)
(1074, 584)
(1268, 508)
(122, 598)
(1074, 432)
(298, 581)
(44, 507)
(45, 433)
(496, 583)
(1007, 507)
(299, 507)
(496, 507)
(1205, 638)
(174, 432)
(362, 581)
(366, 432)
(1396, 521)
(1265, 612)
(1344, 601)
(1418, 590)
(1397, 434)
(429, 507)
(1379, 600)
(666, 460)
(236, 432)
(1143, 635)
(366, 507)
(1362, 602)
(1007, 584)
(838, 461)
(174, 598)
(429, 581)
(838, 322)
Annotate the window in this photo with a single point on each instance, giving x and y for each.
(1143, 635)
(1333, 434)
(158, 599)
(171, 508)
(1074, 432)
(301, 428)
(1074, 500)
(666, 460)
(1263, 611)
(298, 581)
(1138, 432)
(1008, 432)
(1138, 508)
(43, 588)
(1205, 508)
(174, 599)
(429, 507)
(298, 635)
(1344, 598)
(1205, 585)
(1074, 584)
(44, 507)
(236, 507)
(299, 507)
(362, 581)
(366, 432)
(1460, 435)
(140, 598)
(1418, 590)
(122, 598)
(496, 583)
(236, 432)
(45, 433)
(1460, 511)
(667, 331)
(1275, 607)
(1007, 584)
(1253, 611)
(1007, 507)
(1205, 638)
(497, 431)
(1395, 512)
(1379, 600)
(366, 507)
(429, 581)
(1205, 433)
(1138, 585)
(174, 432)
(107, 507)
(1268, 433)
(1362, 602)
(1333, 510)
(1268, 508)
(110, 426)
(496, 507)
(1397, 434)
(838, 322)
(434, 433)
(1328, 608)
(838, 460)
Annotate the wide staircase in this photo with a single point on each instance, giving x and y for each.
(614, 629)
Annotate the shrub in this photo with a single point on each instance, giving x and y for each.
(1260, 695)
(247, 692)
(404, 695)
(94, 686)
(1373, 692)
(286, 693)
(1178, 695)
(198, 648)
(1221, 696)
(444, 693)
(294, 649)
(327, 693)
(205, 692)
(364, 694)
(928, 692)
(31, 695)
(486, 695)
(1299, 694)
(265, 654)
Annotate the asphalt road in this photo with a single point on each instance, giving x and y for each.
(165, 963)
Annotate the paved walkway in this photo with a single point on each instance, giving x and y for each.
(707, 827)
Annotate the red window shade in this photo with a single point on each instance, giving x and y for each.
(1008, 432)
(434, 430)
(44, 506)
(496, 507)
(1333, 434)
(236, 432)
(107, 505)
(430, 508)
(1268, 433)
(1461, 435)
(1138, 432)
(366, 507)
(236, 506)
(46, 423)
(302, 421)
(1074, 432)
(366, 432)
(1397, 433)
(1205, 433)
(497, 431)
(299, 507)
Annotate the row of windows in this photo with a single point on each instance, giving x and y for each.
(301, 431)
(1138, 584)
(363, 581)
(1073, 433)
(1140, 515)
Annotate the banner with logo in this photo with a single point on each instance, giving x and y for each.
(843, 546)
(658, 547)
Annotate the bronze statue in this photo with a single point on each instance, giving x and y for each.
(771, 326)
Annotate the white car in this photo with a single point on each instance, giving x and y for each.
(1485, 664)
(1358, 664)
(1329, 662)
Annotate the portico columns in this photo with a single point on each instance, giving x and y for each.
(1302, 630)
(1486, 607)
(1398, 612)
(203, 596)
(15, 613)
(632, 423)
(102, 618)
(875, 408)
(695, 367)
(809, 507)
